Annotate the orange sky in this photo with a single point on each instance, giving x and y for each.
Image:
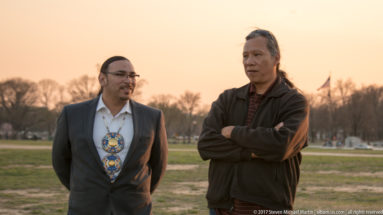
(191, 45)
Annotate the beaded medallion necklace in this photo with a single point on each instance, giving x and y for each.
(112, 143)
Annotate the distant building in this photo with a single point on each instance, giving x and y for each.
(352, 141)
(6, 130)
(377, 143)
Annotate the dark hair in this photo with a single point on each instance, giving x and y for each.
(273, 47)
(110, 60)
(105, 65)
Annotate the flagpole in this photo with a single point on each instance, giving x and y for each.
(327, 85)
(330, 111)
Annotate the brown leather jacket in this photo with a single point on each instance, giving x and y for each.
(271, 179)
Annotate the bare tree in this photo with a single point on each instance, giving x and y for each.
(50, 93)
(83, 88)
(17, 96)
(330, 105)
(189, 103)
(344, 89)
(137, 95)
(61, 99)
(372, 97)
(173, 115)
(356, 112)
(200, 116)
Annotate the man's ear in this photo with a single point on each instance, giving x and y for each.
(102, 79)
(277, 59)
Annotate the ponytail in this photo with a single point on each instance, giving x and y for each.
(283, 75)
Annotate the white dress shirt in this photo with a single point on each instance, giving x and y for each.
(114, 123)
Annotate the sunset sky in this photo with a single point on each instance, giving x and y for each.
(178, 45)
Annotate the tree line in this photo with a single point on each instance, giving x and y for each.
(27, 107)
(345, 110)
(336, 112)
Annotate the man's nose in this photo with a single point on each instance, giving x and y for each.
(128, 79)
(250, 60)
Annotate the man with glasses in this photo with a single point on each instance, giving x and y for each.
(110, 152)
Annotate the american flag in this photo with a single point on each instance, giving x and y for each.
(325, 84)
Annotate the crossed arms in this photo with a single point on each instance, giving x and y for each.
(238, 143)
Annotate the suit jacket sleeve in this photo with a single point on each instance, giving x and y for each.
(273, 145)
(211, 144)
(159, 154)
(61, 151)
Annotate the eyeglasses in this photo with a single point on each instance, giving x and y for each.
(128, 75)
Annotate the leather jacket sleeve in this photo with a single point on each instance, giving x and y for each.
(211, 144)
(273, 145)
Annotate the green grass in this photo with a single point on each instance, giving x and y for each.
(28, 184)
(180, 157)
(346, 164)
(347, 151)
(183, 146)
(325, 200)
(27, 142)
(170, 193)
(193, 146)
(24, 157)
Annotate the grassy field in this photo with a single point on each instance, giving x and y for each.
(27, 142)
(28, 184)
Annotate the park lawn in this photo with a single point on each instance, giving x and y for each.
(28, 184)
(180, 145)
(27, 142)
(345, 151)
(343, 183)
(193, 146)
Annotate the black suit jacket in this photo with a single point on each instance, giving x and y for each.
(78, 166)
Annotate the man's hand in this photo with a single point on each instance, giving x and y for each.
(226, 131)
(277, 127)
(253, 155)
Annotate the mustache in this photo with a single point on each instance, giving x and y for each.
(127, 86)
(251, 70)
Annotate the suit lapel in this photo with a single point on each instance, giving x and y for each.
(136, 129)
(89, 124)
